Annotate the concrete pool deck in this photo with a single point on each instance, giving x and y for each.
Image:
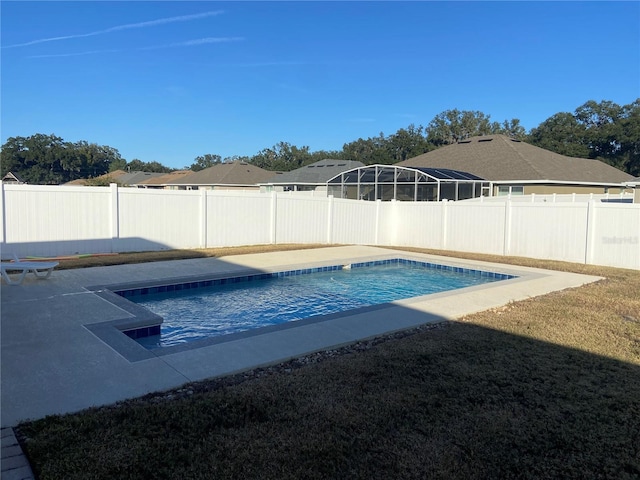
(52, 362)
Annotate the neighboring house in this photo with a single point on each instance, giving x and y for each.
(518, 168)
(224, 176)
(133, 179)
(13, 179)
(163, 181)
(310, 177)
(111, 177)
(126, 179)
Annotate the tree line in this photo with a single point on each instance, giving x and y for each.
(605, 131)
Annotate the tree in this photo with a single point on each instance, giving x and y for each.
(561, 133)
(236, 158)
(48, 159)
(605, 131)
(92, 160)
(629, 138)
(407, 143)
(601, 123)
(451, 126)
(371, 151)
(282, 157)
(205, 161)
(325, 154)
(513, 129)
(137, 165)
(119, 164)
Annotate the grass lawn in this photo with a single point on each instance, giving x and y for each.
(543, 388)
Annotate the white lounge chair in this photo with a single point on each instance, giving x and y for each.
(15, 265)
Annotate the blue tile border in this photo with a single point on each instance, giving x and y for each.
(436, 266)
(133, 292)
(127, 293)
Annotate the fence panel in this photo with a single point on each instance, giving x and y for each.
(235, 220)
(353, 222)
(158, 219)
(475, 227)
(548, 231)
(615, 235)
(302, 219)
(418, 224)
(50, 221)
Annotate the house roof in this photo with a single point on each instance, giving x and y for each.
(11, 177)
(165, 178)
(120, 176)
(234, 173)
(500, 158)
(115, 175)
(317, 173)
(133, 178)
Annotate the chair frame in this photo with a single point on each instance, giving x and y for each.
(39, 269)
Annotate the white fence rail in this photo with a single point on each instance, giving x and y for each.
(56, 220)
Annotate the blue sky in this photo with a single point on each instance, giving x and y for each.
(169, 81)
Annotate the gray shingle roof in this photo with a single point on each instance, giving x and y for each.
(234, 173)
(500, 158)
(317, 173)
(133, 178)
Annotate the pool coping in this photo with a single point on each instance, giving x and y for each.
(53, 362)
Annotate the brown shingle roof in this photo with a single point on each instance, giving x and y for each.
(166, 178)
(235, 173)
(500, 158)
(114, 176)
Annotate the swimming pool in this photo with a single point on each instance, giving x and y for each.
(198, 310)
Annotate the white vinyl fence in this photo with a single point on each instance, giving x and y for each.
(49, 221)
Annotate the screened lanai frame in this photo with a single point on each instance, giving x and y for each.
(392, 182)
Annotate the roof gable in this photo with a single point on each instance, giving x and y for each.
(11, 177)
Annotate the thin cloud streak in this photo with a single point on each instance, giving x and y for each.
(268, 64)
(151, 23)
(78, 54)
(195, 43)
(189, 43)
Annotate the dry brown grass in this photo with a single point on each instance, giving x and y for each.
(164, 255)
(543, 388)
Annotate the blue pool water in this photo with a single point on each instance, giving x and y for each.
(220, 307)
